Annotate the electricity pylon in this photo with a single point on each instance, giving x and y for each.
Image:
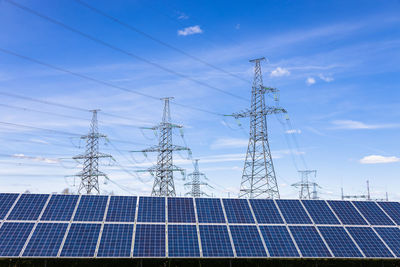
(164, 170)
(258, 178)
(196, 182)
(306, 184)
(90, 173)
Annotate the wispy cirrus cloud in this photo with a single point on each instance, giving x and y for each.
(358, 125)
(378, 159)
(190, 30)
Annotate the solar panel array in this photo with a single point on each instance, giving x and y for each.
(42, 225)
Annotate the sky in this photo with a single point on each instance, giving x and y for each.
(335, 64)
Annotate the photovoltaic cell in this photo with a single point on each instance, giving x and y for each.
(6, 202)
(215, 241)
(183, 241)
(369, 242)
(181, 210)
(391, 236)
(81, 240)
(149, 240)
(293, 211)
(151, 209)
(346, 212)
(28, 207)
(238, 211)
(265, 211)
(13, 237)
(339, 242)
(60, 208)
(247, 241)
(209, 210)
(121, 209)
(392, 209)
(309, 241)
(91, 208)
(320, 212)
(46, 240)
(278, 241)
(116, 240)
(373, 214)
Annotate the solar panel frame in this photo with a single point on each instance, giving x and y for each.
(392, 209)
(91, 208)
(320, 212)
(340, 243)
(60, 208)
(309, 242)
(279, 242)
(293, 211)
(372, 213)
(13, 236)
(238, 211)
(181, 210)
(28, 207)
(183, 241)
(209, 210)
(266, 211)
(215, 241)
(121, 209)
(115, 241)
(391, 236)
(147, 241)
(7, 200)
(346, 212)
(151, 209)
(247, 241)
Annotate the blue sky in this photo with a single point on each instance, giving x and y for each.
(334, 62)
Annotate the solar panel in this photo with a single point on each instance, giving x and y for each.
(309, 241)
(60, 208)
(369, 242)
(81, 240)
(13, 237)
(238, 211)
(116, 240)
(209, 210)
(149, 240)
(181, 210)
(183, 241)
(392, 209)
(391, 236)
(320, 212)
(278, 241)
(121, 209)
(247, 241)
(91, 208)
(339, 242)
(151, 209)
(293, 211)
(46, 240)
(215, 241)
(265, 211)
(346, 212)
(28, 207)
(6, 202)
(372, 212)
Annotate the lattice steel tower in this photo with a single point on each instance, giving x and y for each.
(90, 173)
(259, 179)
(306, 184)
(196, 182)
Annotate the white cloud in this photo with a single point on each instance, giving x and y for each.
(182, 16)
(279, 72)
(326, 78)
(376, 159)
(37, 159)
(310, 81)
(229, 143)
(293, 131)
(190, 30)
(357, 125)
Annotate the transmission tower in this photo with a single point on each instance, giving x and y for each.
(196, 181)
(306, 184)
(90, 173)
(258, 178)
(163, 171)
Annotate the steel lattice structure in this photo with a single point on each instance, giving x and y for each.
(305, 185)
(196, 181)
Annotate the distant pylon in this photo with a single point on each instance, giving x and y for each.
(90, 173)
(306, 184)
(163, 171)
(196, 181)
(258, 178)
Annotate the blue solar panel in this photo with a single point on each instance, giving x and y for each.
(346, 212)
(81, 240)
(369, 242)
(6, 202)
(238, 211)
(391, 236)
(392, 209)
(215, 241)
(149, 240)
(60, 208)
(265, 211)
(278, 241)
(181, 210)
(320, 212)
(373, 213)
(46, 240)
(13, 237)
(28, 207)
(116, 240)
(293, 211)
(309, 241)
(247, 241)
(183, 241)
(121, 209)
(209, 210)
(339, 242)
(91, 209)
(151, 209)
